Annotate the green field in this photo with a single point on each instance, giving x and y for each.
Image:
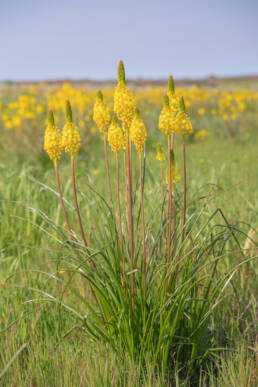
(43, 293)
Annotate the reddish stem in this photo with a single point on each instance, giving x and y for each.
(61, 200)
(130, 217)
(169, 202)
(143, 228)
(119, 217)
(185, 192)
(76, 203)
(107, 168)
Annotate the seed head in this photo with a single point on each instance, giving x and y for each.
(116, 137)
(138, 132)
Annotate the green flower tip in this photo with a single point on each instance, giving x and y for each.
(121, 72)
(172, 157)
(137, 112)
(182, 104)
(68, 112)
(171, 85)
(166, 101)
(114, 119)
(100, 95)
(50, 118)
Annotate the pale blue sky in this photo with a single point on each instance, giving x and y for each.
(51, 39)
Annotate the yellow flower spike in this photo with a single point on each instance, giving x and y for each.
(176, 178)
(124, 100)
(182, 122)
(71, 140)
(166, 118)
(101, 114)
(160, 155)
(116, 137)
(173, 99)
(53, 139)
(138, 132)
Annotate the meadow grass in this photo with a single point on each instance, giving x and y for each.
(42, 343)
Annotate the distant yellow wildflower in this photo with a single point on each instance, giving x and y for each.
(201, 134)
(201, 111)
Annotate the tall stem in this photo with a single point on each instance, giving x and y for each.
(130, 216)
(174, 222)
(169, 202)
(107, 168)
(125, 177)
(161, 181)
(76, 203)
(119, 217)
(143, 228)
(172, 140)
(62, 201)
(185, 191)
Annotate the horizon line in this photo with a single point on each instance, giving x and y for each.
(131, 80)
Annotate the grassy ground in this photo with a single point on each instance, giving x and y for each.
(42, 345)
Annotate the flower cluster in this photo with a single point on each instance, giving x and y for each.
(53, 139)
(175, 174)
(124, 100)
(101, 114)
(166, 118)
(138, 132)
(160, 155)
(182, 122)
(71, 140)
(116, 137)
(173, 98)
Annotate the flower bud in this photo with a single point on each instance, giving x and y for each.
(182, 104)
(121, 72)
(68, 112)
(171, 85)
